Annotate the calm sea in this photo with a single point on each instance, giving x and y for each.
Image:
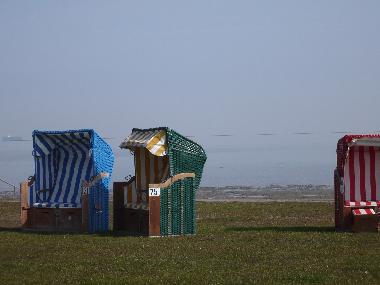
(232, 160)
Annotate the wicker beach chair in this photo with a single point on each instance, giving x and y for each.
(357, 183)
(69, 191)
(159, 200)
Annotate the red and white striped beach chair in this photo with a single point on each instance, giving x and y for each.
(357, 183)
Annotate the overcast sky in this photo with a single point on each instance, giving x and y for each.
(200, 67)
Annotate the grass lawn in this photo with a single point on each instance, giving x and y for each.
(237, 243)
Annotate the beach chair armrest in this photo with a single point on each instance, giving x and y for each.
(172, 180)
(92, 181)
(86, 185)
(31, 180)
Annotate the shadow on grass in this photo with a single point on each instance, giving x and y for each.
(44, 232)
(10, 229)
(281, 229)
(38, 232)
(114, 234)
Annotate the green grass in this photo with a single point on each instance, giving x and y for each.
(237, 243)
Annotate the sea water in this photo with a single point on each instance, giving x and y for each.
(237, 160)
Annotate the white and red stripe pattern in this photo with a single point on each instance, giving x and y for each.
(363, 212)
(362, 174)
(362, 204)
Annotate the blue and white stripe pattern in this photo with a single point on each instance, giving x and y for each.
(56, 205)
(63, 160)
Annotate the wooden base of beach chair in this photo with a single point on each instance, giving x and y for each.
(52, 219)
(361, 223)
(48, 219)
(176, 220)
(132, 221)
(135, 221)
(365, 223)
(347, 219)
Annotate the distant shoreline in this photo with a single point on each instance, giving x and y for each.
(270, 193)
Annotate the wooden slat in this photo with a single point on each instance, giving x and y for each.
(172, 180)
(91, 182)
(118, 194)
(154, 216)
(118, 205)
(24, 207)
(85, 212)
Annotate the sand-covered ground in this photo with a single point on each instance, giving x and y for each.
(302, 193)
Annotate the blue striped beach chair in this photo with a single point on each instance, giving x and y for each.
(69, 191)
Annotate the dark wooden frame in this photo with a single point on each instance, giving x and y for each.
(52, 219)
(140, 221)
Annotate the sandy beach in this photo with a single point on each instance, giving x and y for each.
(271, 193)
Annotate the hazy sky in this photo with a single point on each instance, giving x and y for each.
(200, 67)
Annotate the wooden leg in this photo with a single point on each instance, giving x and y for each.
(118, 206)
(24, 205)
(154, 216)
(85, 212)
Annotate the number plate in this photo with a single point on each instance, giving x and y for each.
(154, 192)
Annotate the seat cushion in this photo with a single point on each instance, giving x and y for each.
(57, 205)
(361, 212)
(361, 204)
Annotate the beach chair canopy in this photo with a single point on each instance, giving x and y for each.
(358, 163)
(63, 161)
(179, 154)
(153, 140)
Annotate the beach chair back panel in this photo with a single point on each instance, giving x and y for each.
(74, 167)
(185, 156)
(45, 177)
(62, 162)
(99, 194)
(130, 194)
(149, 169)
(177, 208)
(362, 174)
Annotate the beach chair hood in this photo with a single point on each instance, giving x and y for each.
(184, 154)
(358, 163)
(63, 160)
(153, 140)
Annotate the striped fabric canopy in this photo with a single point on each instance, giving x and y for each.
(152, 139)
(361, 170)
(45, 142)
(364, 141)
(63, 160)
